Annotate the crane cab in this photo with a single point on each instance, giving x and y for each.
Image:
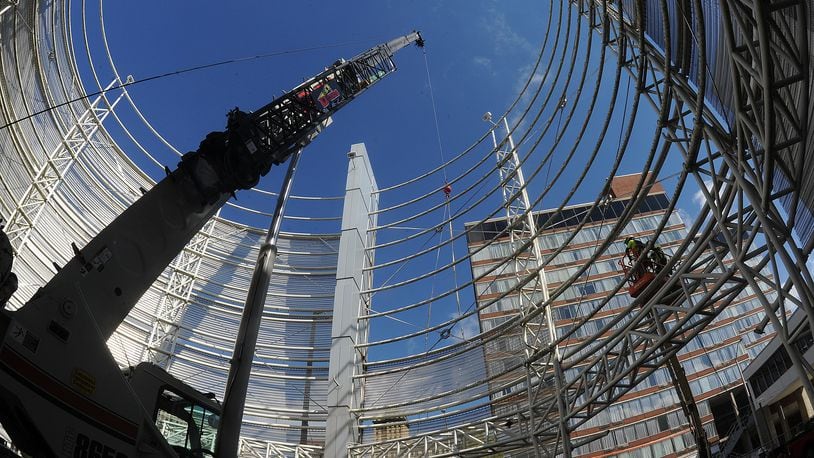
(187, 418)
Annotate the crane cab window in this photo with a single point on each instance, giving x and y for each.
(188, 427)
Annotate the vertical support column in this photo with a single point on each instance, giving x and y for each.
(763, 425)
(537, 332)
(240, 366)
(360, 201)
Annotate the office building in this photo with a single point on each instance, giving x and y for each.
(648, 420)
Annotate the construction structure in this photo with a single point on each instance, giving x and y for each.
(367, 345)
(650, 416)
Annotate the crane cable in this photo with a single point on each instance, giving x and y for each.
(448, 211)
(435, 117)
(440, 231)
(447, 189)
(557, 134)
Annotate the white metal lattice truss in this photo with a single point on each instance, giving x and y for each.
(267, 449)
(49, 175)
(537, 333)
(185, 270)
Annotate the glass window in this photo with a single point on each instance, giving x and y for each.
(641, 430)
(663, 424)
(619, 435)
(185, 424)
(608, 442)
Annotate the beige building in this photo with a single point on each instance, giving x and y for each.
(647, 421)
(391, 428)
(783, 410)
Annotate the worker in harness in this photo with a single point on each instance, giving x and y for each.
(642, 274)
(633, 248)
(657, 257)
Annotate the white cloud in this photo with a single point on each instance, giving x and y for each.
(482, 61)
(699, 197)
(467, 327)
(685, 216)
(484, 65)
(539, 78)
(503, 35)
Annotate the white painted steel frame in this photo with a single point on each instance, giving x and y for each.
(50, 174)
(184, 271)
(540, 333)
(742, 235)
(347, 331)
(742, 230)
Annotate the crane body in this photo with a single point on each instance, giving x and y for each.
(61, 391)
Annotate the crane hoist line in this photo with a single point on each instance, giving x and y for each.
(61, 391)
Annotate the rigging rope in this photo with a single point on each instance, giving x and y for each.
(447, 216)
(435, 116)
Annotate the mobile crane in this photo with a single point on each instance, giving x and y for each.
(61, 392)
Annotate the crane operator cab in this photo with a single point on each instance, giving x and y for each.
(641, 275)
(187, 418)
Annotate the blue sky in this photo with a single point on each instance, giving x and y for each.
(478, 54)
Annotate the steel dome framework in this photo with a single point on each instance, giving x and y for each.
(731, 85)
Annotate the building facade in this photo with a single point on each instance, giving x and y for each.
(648, 420)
